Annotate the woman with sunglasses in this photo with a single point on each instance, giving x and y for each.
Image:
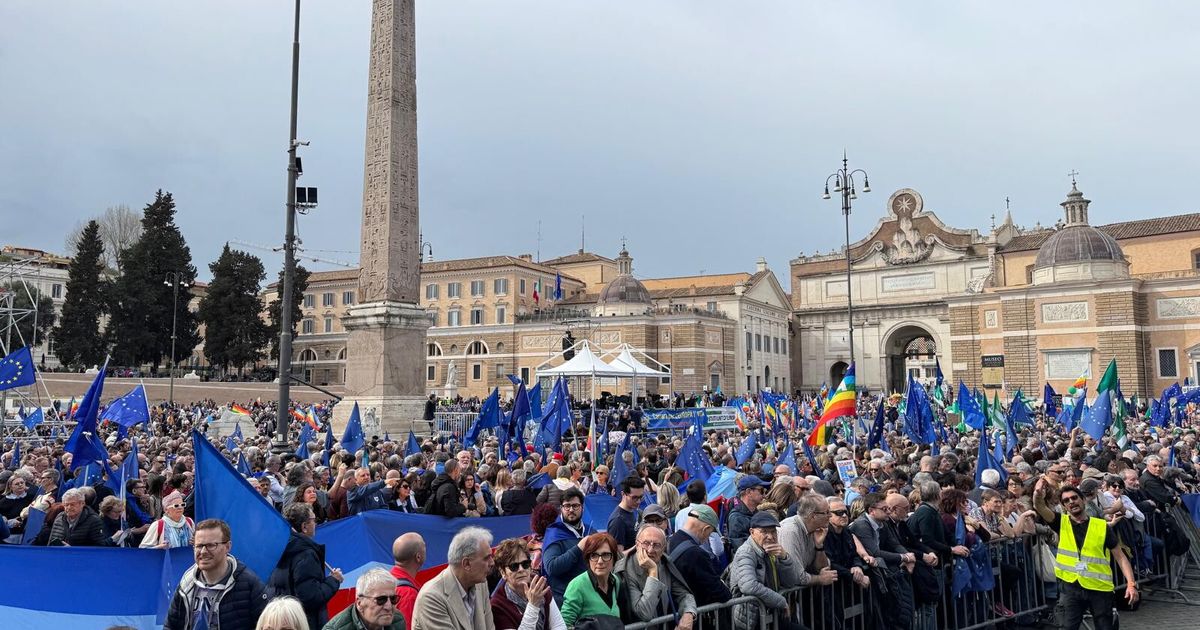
(522, 600)
(594, 592)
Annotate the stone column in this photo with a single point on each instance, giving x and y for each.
(385, 355)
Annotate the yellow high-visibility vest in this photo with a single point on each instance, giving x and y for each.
(1089, 565)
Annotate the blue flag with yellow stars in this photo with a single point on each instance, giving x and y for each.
(16, 370)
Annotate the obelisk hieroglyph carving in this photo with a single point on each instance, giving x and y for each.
(385, 352)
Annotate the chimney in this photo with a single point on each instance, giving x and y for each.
(761, 265)
(526, 257)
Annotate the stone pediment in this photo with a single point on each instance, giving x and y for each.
(909, 233)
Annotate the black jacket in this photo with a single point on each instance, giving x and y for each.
(699, 569)
(1164, 496)
(430, 411)
(301, 574)
(445, 499)
(516, 501)
(88, 531)
(739, 527)
(925, 525)
(240, 604)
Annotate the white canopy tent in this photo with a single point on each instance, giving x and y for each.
(635, 369)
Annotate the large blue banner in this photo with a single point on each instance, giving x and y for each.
(668, 419)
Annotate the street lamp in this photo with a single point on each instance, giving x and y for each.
(843, 182)
(174, 279)
(425, 245)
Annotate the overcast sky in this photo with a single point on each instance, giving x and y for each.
(701, 130)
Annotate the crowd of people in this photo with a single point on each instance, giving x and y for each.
(892, 528)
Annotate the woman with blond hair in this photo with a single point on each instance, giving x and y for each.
(283, 613)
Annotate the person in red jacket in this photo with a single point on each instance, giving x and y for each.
(409, 553)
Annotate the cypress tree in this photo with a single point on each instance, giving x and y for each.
(142, 298)
(77, 341)
(299, 286)
(231, 311)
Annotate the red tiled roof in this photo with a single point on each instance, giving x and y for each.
(1120, 231)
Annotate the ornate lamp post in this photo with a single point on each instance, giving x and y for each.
(843, 182)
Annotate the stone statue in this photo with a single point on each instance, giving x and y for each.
(452, 375)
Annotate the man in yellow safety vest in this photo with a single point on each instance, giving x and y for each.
(1083, 564)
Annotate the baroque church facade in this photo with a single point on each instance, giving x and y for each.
(1013, 308)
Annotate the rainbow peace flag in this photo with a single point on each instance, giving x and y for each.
(238, 409)
(840, 405)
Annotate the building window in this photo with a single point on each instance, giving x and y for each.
(501, 315)
(525, 374)
(783, 344)
(747, 382)
(431, 292)
(714, 382)
(347, 297)
(476, 316)
(477, 347)
(1168, 366)
(500, 286)
(56, 291)
(712, 307)
(433, 350)
(310, 300)
(521, 286)
(326, 299)
(328, 324)
(476, 371)
(454, 290)
(454, 318)
(1028, 274)
(666, 379)
(433, 317)
(1196, 259)
(775, 341)
(477, 288)
(431, 372)
(306, 327)
(757, 342)
(749, 354)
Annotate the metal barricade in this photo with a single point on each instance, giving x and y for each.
(446, 423)
(708, 617)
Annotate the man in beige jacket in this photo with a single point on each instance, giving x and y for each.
(458, 598)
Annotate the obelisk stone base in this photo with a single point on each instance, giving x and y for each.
(385, 354)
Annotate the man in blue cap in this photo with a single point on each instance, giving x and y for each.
(751, 491)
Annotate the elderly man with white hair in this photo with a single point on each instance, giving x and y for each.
(78, 525)
(374, 605)
(458, 598)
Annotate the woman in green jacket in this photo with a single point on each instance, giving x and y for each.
(594, 592)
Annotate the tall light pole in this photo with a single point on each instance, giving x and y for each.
(425, 245)
(280, 445)
(843, 182)
(174, 279)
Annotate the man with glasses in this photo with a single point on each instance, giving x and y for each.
(1083, 564)
(374, 605)
(458, 598)
(562, 546)
(803, 538)
(217, 586)
(880, 540)
(751, 491)
(654, 585)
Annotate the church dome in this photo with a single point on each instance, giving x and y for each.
(624, 289)
(1077, 243)
(623, 295)
(1078, 251)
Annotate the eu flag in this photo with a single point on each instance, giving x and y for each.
(130, 409)
(16, 370)
(412, 446)
(35, 417)
(353, 438)
(84, 445)
(259, 533)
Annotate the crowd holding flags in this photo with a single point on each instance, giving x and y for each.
(843, 404)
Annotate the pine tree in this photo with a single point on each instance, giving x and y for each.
(231, 311)
(299, 286)
(77, 341)
(142, 299)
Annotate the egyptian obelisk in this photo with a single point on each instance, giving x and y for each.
(385, 356)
